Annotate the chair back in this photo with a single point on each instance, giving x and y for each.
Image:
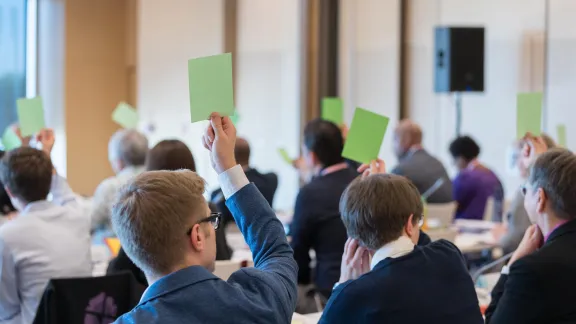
(94, 300)
(440, 215)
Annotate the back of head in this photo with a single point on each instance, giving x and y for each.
(129, 147)
(242, 152)
(324, 139)
(555, 172)
(376, 209)
(27, 173)
(406, 135)
(170, 155)
(151, 215)
(464, 147)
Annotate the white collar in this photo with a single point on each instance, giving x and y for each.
(402, 246)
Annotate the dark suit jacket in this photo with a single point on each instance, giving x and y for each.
(266, 184)
(265, 293)
(424, 170)
(123, 263)
(539, 287)
(429, 285)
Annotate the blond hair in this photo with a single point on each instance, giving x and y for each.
(152, 213)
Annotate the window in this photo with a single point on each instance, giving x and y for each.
(18, 20)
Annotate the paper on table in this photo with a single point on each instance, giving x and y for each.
(285, 156)
(125, 115)
(210, 84)
(10, 140)
(561, 131)
(332, 110)
(365, 136)
(528, 114)
(30, 115)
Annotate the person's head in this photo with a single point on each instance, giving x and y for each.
(380, 208)
(161, 219)
(27, 175)
(550, 191)
(463, 150)
(242, 152)
(517, 151)
(406, 136)
(323, 144)
(127, 148)
(170, 155)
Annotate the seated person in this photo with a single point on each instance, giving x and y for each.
(167, 155)
(127, 153)
(510, 235)
(266, 183)
(537, 285)
(402, 283)
(167, 229)
(316, 223)
(48, 239)
(475, 183)
(416, 164)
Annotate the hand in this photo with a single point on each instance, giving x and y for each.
(533, 147)
(24, 140)
(299, 163)
(531, 241)
(355, 261)
(377, 166)
(220, 139)
(47, 139)
(344, 129)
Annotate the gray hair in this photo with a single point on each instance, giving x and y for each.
(555, 172)
(129, 146)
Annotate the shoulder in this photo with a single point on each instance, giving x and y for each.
(443, 249)
(108, 184)
(346, 296)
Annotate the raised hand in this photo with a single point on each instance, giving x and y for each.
(533, 147)
(47, 139)
(24, 140)
(220, 139)
(377, 166)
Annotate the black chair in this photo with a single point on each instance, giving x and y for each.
(98, 300)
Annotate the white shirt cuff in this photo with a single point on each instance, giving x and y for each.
(505, 270)
(232, 180)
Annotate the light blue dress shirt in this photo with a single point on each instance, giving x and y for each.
(49, 239)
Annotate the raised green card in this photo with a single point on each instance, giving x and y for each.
(30, 116)
(125, 115)
(10, 140)
(365, 136)
(561, 135)
(211, 86)
(285, 156)
(528, 114)
(333, 110)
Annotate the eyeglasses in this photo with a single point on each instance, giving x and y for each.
(214, 219)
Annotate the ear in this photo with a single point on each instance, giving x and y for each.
(541, 200)
(197, 238)
(410, 228)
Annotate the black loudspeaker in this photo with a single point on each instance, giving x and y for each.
(459, 59)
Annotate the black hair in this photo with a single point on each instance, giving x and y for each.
(324, 138)
(464, 147)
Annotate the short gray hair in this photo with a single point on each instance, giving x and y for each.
(129, 146)
(555, 172)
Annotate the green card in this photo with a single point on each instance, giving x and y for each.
(365, 136)
(285, 156)
(333, 110)
(30, 115)
(10, 140)
(561, 132)
(528, 114)
(125, 115)
(211, 87)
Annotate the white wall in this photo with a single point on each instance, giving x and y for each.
(368, 61)
(170, 33)
(268, 96)
(514, 63)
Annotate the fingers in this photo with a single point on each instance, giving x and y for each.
(346, 246)
(205, 142)
(365, 174)
(366, 261)
(363, 168)
(358, 255)
(381, 166)
(210, 135)
(373, 167)
(352, 249)
(216, 121)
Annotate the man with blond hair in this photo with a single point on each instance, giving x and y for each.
(167, 229)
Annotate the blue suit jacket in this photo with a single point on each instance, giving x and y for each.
(263, 294)
(429, 285)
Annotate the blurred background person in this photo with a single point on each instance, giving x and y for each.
(416, 164)
(169, 155)
(127, 151)
(475, 183)
(266, 183)
(7, 210)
